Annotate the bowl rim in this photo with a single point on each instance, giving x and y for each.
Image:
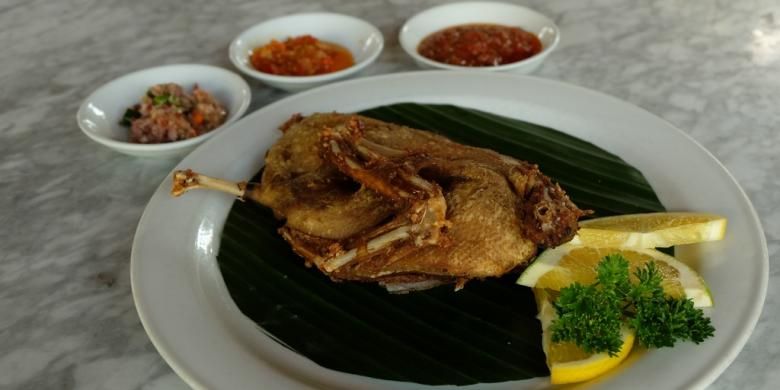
(233, 53)
(244, 101)
(412, 52)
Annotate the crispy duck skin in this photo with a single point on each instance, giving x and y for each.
(373, 201)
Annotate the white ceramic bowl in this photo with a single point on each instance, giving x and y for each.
(100, 113)
(449, 15)
(361, 38)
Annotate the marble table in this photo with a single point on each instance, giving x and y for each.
(70, 206)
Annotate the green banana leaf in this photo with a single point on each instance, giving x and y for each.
(484, 333)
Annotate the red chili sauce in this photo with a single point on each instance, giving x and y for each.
(480, 45)
(301, 56)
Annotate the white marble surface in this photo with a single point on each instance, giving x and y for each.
(70, 207)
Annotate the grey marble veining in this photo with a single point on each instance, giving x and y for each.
(69, 206)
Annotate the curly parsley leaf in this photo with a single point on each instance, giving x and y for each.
(591, 316)
(612, 274)
(660, 322)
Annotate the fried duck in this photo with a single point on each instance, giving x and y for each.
(366, 200)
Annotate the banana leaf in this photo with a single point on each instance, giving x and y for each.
(484, 333)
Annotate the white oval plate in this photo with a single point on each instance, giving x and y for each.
(191, 319)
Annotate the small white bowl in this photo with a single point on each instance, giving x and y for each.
(100, 113)
(449, 15)
(361, 38)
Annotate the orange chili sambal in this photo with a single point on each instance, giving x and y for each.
(304, 55)
(480, 45)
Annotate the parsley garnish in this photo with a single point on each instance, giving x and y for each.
(591, 316)
(159, 100)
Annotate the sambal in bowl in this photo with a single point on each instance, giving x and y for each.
(484, 36)
(302, 51)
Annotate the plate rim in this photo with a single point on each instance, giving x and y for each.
(734, 347)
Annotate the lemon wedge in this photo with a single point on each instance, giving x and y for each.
(651, 230)
(567, 362)
(559, 267)
(633, 237)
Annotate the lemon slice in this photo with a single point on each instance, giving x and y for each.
(561, 266)
(567, 362)
(651, 230)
